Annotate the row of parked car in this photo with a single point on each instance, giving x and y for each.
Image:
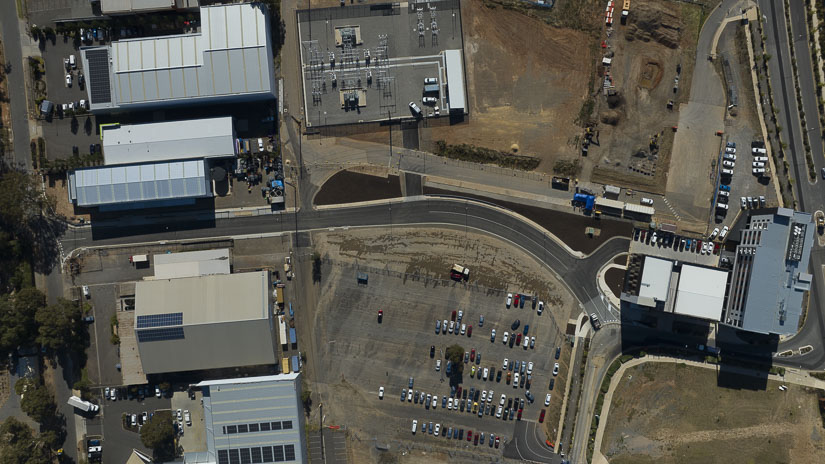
(679, 243)
(116, 393)
(456, 433)
(518, 301)
(455, 326)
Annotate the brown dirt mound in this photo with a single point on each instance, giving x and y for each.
(654, 22)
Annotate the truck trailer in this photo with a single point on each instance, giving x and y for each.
(84, 406)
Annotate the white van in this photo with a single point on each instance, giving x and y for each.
(647, 201)
(72, 62)
(414, 426)
(727, 172)
(759, 151)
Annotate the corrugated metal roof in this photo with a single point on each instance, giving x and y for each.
(231, 56)
(164, 141)
(641, 209)
(455, 79)
(141, 182)
(191, 263)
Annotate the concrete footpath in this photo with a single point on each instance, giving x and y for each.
(792, 376)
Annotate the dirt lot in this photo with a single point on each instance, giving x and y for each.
(669, 413)
(658, 38)
(408, 279)
(526, 82)
(339, 188)
(615, 279)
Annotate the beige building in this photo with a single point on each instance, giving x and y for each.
(204, 322)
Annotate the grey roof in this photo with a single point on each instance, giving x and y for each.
(170, 140)
(108, 185)
(455, 79)
(208, 322)
(191, 263)
(231, 57)
(269, 400)
(778, 276)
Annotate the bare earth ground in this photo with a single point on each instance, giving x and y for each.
(352, 350)
(658, 37)
(670, 413)
(526, 82)
(5, 389)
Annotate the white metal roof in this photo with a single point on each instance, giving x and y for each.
(642, 209)
(455, 79)
(655, 278)
(108, 185)
(701, 292)
(191, 263)
(134, 6)
(173, 140)
(206, 299)
(608, 203)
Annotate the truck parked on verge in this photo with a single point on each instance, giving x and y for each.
(84, 406)
(458, 272)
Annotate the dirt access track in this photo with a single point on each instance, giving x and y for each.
(673, 413)
(526, 82)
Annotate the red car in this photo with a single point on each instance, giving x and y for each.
(541, 416)
(469, 435)
(473, 354)
(518, 339)
(515, 299)
(497, 442)
(716, 249)
(469, 331)
(380, 315)
(475, 440)
(453, 316)
(519, 414)
(458, 391)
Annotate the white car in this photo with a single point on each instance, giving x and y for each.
(180, 415)
(490, 395)
(83, 104)
(509, 300)
(730, 150)
(68, 80)
(460, 315)
(430, 80)
(86, 292)
(763, 159)
(381, 393)
(483, 396)
(437, 429)
(452, 326)
(486, 373)
(429, 100)
(493, 335)
(415, 426)
(758, 164)
(450, 404)
(505, 337)
(541, 307)
(260, 144)
(526, 342)
(714, 234)
(463, 329)
(505, 364)
(759, 170)
(515, 380)
(437, 364)
(113, 396)
(106, 393)
(434, 403)
(134, 420)
(415, 109)
(409, 395)
(532, 342)
(728, 164)
(724, 233)
(555, 368)
(730, 157)
(547, 400)
(157, 392)
(498, 412)
(724, 193)
(502, 400)
(530, 368)
(444, 324)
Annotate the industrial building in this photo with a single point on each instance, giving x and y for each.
(663, 285)
(140, 185)
(124, 7)
(192, 264)
(769, 276)
(372, 62)
(250, 420)
(209, 321)
(171, 140)
(229, 61)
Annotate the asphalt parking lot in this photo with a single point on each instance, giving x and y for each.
(118, 441)
(642, 244)
(103, 355)
(356, 355)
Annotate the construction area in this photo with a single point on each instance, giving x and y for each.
(379, 61)
(645, 74)
(673, 413)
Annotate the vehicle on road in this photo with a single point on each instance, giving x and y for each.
(82, 405)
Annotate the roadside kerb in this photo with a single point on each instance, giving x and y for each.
(792, 376)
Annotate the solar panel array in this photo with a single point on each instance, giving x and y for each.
(257, 427)
(159, 320)
(257, 455)
(155, 335)
(100, 90)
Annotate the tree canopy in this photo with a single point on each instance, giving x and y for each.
(159, 435)
(37, 401)
(60, 325)
(17, 318)
(455, 354)
(18, 444)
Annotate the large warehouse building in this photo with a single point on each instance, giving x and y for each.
(205, 322)
(230, 60)
(770, 273)
(251, 420)
(166, 141)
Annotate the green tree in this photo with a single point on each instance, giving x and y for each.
(17, 317)
(18, 444)
(159, 435)
(37, 401)
(59, 325)
(455, 354)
